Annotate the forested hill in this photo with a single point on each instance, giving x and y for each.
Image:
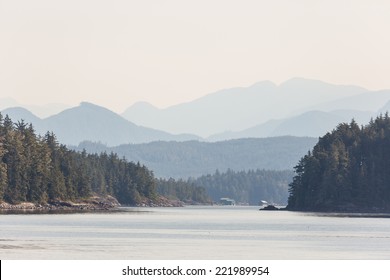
(39, 170)
(194, 158)
(348, 170)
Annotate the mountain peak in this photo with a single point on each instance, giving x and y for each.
(88, 107)
(141, 107)
(89, 104)
(298, 82)
(143, 103)
(18, 113)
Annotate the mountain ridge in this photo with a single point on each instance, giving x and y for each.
(41, 111)
(297, 107)
(242, 107)
(92, 122)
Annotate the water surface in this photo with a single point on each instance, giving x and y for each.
(193, 233)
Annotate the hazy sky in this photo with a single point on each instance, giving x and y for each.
(116, 52)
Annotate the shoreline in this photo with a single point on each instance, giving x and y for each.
(92, 204)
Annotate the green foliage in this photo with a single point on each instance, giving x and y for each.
(194, 158)
(348, 170)
(182, 190)
(39, 169)
(247, 187)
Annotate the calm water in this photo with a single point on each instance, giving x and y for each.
(193, 233)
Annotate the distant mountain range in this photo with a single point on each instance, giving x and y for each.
(298, 107)
(238, 109)
(319, 119)
(42, 111)
(310, 124)
(94, 123)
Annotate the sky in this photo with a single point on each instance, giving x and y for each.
(117, 52)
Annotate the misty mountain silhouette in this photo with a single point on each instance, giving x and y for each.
(298, 107)
(240, 108)
(95, 123)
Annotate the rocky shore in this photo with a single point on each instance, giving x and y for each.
(160, 201)
(93, 203)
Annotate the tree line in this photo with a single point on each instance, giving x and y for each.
(347, 170)
(247, 187)
(38, 169)
(182, 190)
(196, 158)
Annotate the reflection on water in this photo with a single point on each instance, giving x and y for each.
(193, 233)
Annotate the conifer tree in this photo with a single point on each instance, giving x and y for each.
(352, 170)
(41, 170)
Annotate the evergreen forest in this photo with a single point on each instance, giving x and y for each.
(348, 170)
(196, 158)
(182, 190)
(40, 170)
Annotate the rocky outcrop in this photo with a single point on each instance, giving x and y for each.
(90, 204)
(94, 203)
(271, 208)
(160, 201)
(20, 206)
